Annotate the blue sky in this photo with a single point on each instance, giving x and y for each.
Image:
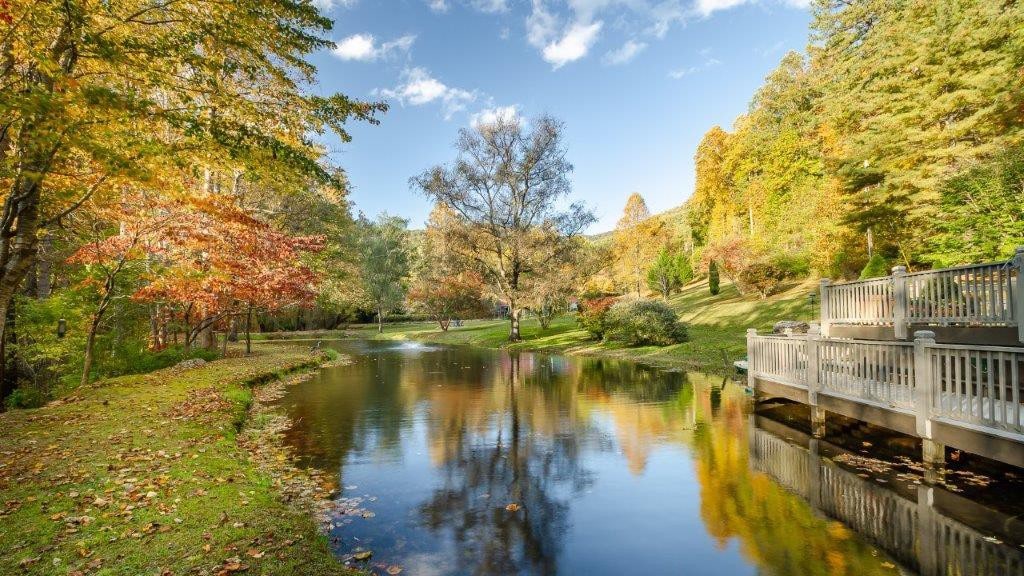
(637, 83)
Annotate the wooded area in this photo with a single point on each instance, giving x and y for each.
(160, 190)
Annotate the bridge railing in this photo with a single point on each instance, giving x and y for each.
(877, 372)
(976, 295)
(974, 387)
(779, 358)
(977, 386)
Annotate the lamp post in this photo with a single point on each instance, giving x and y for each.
(812, 298)
(62, 328)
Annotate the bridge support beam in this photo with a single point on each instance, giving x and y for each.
(933, 453)
(818, 421)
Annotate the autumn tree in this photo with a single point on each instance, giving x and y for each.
(505, 187)
(216, 260)
(384, 263)
(915, 92)
(638, 237)
(551, 290)
(98, 95)
(107, 258)
(445, 285)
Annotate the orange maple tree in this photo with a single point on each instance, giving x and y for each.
(219, 260)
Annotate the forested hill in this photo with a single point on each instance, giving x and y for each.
(897, 133)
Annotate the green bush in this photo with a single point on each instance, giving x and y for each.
(714, 282)
(644, 322)
(27, 397)
(876, 267)
(593, 315)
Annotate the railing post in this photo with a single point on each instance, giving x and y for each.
(1018, 296)
(751, 355)
(899, 309)
(813, 338)
(923, 382)
(823, 297)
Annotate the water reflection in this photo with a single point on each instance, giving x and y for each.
(479, 462)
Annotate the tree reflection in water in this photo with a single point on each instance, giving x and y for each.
(599, 458)
(504, 497)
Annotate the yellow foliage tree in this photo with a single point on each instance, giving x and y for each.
(638, 238)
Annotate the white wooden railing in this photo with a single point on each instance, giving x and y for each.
(975, 295)
(877, 372)
(868, 302)
(974, 387)
(977, 386)
(779, 358)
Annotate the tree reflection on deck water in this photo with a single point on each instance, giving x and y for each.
(466, 461)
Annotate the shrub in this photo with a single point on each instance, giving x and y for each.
(876, 267)
(714, 282)
(764, 276)
(644, 322)
(593, 315)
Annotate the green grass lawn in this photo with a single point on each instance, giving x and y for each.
(718, 326)
(145, 475)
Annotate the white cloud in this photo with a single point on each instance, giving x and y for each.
(541, 25)
(709, 61)
(486, 6)
(492, 115)
(418, 87)
(364, 47)
(707, 7)
(624, 53)
(490, 6)
(573, 45)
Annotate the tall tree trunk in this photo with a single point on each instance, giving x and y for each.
(380, 320)
(514, 313)
(248, 330)
(8, 366)
(37, 146)
(90, 342)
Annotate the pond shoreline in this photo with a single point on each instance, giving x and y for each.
(574, 342)
(173, 471)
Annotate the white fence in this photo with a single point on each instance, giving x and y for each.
(781, 359)
(976, 387)
(976, 295)
(878, 372)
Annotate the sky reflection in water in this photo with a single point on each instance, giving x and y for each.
(611, 468)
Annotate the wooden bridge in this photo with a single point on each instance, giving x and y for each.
(931, 531)
(961, 391)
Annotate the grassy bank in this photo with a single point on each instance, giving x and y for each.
(145, 475)
(717, 324)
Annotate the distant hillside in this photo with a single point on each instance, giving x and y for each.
(674, 219)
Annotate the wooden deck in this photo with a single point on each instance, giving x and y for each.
(966, 396)
(957, 382)
(955, 302)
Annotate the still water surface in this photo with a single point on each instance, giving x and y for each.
(456, 460)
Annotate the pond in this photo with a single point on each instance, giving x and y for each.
(454, 460)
